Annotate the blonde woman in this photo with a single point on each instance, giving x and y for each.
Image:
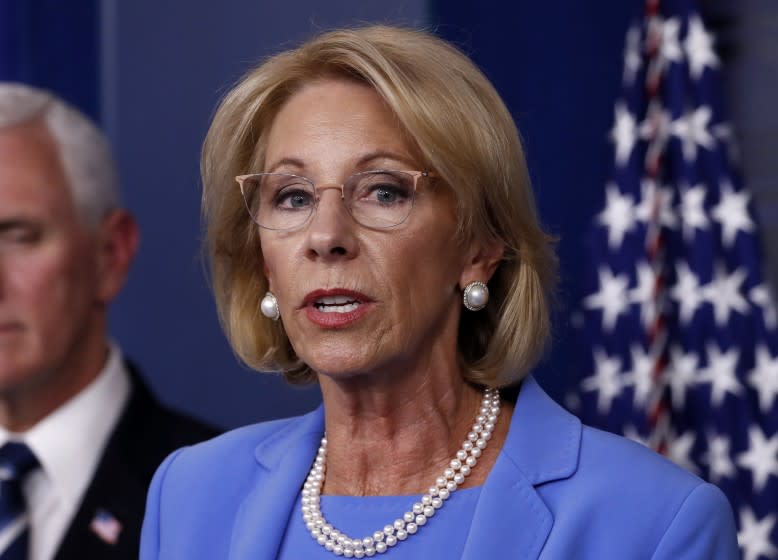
(371, 228)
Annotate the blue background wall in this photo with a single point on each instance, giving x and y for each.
(152, 72)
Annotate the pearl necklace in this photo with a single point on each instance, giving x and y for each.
(409, 524)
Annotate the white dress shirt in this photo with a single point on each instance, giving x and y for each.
(68, 444)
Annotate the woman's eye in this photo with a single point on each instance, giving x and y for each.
(293, 199)
(386, 193)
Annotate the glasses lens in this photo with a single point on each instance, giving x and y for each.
(380, 199)
(279, 200)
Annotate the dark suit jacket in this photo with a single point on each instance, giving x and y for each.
(145, 434)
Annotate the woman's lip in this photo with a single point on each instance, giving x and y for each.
(336, 319)
(311, 298)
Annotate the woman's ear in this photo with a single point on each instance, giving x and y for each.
(483, 259)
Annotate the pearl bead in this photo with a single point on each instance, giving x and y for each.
(437, 503)
(417, 508)
(420, 520)
(391, 540)
(359, 553)
(459, 478)
(475, 452)
(465, 470)
(426, 500)
(269, 307)
(471, 461)
(408, 516)
(378, 536)
(448, 473)
(476, 296)
(388, 529)
(433, 491)
(370, 551)
(380, 547)
(444, 494)
(402, 534)
(461, 454)
(455, 464)
(411, 528)
(429, 511)
(481, 443)
(367, 542)
(348, 553)
(399, 524)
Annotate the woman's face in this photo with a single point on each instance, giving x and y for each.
(355, 300)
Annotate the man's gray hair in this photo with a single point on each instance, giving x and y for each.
(83, 148)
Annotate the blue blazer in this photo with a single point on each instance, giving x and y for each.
(558, 490)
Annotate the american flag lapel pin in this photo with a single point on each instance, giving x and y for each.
(106, 526)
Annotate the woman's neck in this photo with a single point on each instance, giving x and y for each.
(395, 438)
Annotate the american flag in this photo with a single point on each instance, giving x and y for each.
(678, 331)
(106, 526)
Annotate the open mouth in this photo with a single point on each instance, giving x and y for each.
(336, 304)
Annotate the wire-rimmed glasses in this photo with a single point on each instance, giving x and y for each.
(380, 198)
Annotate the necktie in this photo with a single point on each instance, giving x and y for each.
(16, 461)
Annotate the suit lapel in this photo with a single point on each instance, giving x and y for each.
(144, 436)
(511, 520)
(284, 460)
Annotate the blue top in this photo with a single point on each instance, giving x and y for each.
(558, 490)
(443, 536)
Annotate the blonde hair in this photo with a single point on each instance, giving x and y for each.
(462, 131)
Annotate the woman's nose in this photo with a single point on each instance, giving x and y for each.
(331, 232)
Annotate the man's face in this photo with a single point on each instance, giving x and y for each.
(50, 316)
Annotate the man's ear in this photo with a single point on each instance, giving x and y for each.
(117, 242)
(483, 259)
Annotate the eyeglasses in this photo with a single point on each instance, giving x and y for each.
(376, 199)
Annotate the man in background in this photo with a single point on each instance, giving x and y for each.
(80, 435)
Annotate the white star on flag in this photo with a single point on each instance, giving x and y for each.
(681, 374)
(721, 373)
(632, 58)
(693, 210)
(649, 195)
(624, 133)
(612, 297)
(762, 297)
(732, 213)
(670, 49)
(618, 215)
(754, 535)
(717, 457)
(692, 130)
(723, 293)
(699, 48)
(641, 376)
(686, 292)
(680, 449)
(761, 458)
(643, 293)
(764, 378)
(606, 380)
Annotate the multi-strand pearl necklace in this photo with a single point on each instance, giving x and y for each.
(409, 524)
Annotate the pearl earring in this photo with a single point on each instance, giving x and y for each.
(269, 307)
(476, 296)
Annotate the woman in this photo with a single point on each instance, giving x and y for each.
(385, 229)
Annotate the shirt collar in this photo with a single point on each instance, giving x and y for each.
(69, 441)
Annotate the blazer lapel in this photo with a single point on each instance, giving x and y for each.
(511, 520)
(284, 460)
